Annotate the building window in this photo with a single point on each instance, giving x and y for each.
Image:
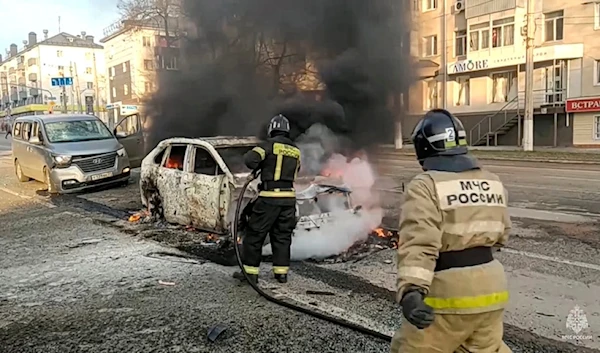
(460, 43)
(125, 90)
(430, 46)
(59, 53)
(596, 72)
(88, 56)
(504, 87)
(147, 64)
(503, 32)
(90, 85)
(172, 64)
(146, 41)
(555, 81)
(114, 92)
(479, 36)
(61, 68)
(88, 70)
(112, 71)
(429, 5)
(597, 127)
(597, 15)
(147, 87)
(463, 96)
(554, 25)
(124, 67)
(432, 95)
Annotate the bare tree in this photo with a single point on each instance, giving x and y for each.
(163, 14)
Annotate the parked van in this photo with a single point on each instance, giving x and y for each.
(69, 152)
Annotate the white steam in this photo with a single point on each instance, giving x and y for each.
(344, 227)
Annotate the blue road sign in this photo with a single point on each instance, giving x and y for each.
(61, 81)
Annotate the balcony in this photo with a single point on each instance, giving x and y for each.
(14, 97)
(21, 66)
(11, 71)
(33, 77)
(3, 75)
(34, 92)
(31, 62)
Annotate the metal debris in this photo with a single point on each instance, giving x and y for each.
(215, 331)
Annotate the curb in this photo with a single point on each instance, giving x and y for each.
(509, 159)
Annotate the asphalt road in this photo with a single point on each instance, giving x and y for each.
(4, 143)
(75, 276)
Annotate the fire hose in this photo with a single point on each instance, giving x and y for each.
(334, 320)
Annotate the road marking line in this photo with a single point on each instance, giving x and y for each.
(551, 259)
(26, 197)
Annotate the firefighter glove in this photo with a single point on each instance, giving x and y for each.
(415, 310)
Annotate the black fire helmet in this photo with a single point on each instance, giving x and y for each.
(279, 123)
(439, 133)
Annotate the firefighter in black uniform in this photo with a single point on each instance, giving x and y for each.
(274, 212)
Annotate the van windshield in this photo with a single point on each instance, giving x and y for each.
(77, 131)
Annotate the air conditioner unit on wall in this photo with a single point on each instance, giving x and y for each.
(459, 6)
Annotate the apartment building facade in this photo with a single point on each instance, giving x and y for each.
(135, 52)
(26, 75)
(480, 49)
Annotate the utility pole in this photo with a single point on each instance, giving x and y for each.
(528, 121)
(64, 96)
(77, 88)
(96, 89)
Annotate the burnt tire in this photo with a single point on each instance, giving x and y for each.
(19, 173)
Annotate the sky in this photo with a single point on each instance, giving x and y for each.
(91, 16)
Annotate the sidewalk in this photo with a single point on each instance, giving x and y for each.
(565, 155)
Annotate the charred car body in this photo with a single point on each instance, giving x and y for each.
(195, 182)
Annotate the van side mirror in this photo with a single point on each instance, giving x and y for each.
(34, 140)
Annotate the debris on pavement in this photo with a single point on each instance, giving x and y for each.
(165, 283)
(318, 292)
(138, 216)
(215, 331)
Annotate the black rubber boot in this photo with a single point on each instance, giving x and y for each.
(239, 275)
(281, 278)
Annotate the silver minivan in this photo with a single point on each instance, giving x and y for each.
(72, 152)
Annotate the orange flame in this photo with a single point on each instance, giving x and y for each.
(174, 162)
(139, 215)
(211, 238)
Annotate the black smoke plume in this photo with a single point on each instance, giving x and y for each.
(241, 62)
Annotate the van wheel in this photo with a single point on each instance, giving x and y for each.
(19, 173)
(49, 184)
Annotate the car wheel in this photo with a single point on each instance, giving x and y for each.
(49, 184)
(19, 172)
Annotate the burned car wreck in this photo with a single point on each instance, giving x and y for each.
(196, 182)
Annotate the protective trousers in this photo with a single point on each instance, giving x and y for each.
(452, 333)
(276, 218)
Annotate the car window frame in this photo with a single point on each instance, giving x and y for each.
(168, 154)
(192, 164)
(16, 126)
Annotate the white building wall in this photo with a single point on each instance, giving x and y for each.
(77, 63)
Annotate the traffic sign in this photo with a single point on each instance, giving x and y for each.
(129, 109)
(61, 81)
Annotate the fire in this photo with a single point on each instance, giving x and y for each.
(174, 162)
(211, 238)
(139, 215)
(380, 232)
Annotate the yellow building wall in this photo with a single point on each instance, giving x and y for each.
(585, 129)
